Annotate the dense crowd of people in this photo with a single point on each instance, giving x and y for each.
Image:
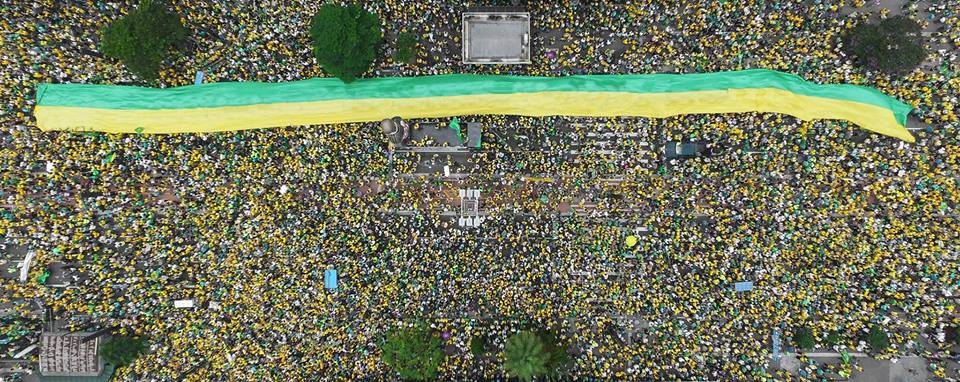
(839, 230)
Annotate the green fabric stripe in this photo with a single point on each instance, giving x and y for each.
(322, 89)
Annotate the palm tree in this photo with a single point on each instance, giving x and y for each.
(525, 356)
(414, 353)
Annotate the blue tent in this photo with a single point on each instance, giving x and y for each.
(743, 286)
(330, 279)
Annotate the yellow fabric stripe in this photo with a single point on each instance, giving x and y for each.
(595, 104)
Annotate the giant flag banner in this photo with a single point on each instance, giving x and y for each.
(229, 106)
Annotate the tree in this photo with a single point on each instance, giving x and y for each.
(478, 345)
(122, 350)
(833, 338)
(894, 46)
(803, 338)
(413, 353)
(144, 38)
(952, 335)
(525, 356)
(877, 339)
(406, 48)
(559, 358)
(345, 40)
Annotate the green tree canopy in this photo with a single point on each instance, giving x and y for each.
(406, 47)
(559, 358)
(833, 338)
(952, 335)
(144, 38)
(122, 350)
(413, 353)
(877, 339)
(525, 356)
(345, 40)
(894, 46)
(478, 345)
(803, 338)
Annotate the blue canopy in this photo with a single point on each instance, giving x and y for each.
(330, 279)
(743, 286)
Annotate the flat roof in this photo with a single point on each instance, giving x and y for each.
(496, 38)
(473, 135)
(497, 9)
(66, 354)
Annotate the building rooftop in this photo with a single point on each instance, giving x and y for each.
(496, 37)
(66, 354)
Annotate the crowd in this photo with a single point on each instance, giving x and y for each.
(838, 229)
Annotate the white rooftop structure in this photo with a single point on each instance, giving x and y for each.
(469, 208)
(25, 266)
(67, 354)
(496, 36)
